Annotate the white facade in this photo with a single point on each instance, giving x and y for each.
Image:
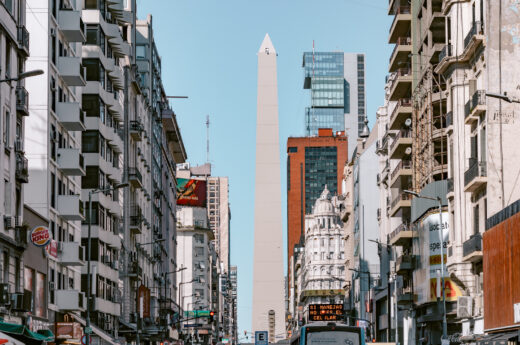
(324, 253)
(219, 217)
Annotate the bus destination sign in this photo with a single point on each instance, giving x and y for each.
(325, 312)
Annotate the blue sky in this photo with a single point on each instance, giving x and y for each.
(208, 51)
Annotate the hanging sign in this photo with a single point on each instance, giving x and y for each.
(40, 236)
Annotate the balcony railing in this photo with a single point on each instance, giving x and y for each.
(402, 165)
(403, 133)
(400, 10)
(135, 177)
(474, 244)
(476, 29)
(403, 102)
(476, 169)
(401, 72)
(22, 100)
(136, 215)
(22, 168)
(447, 51)
(401, 197)
(23, 38)
(401, 41)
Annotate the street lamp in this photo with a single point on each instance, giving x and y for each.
(24, 75)
(503, 97)
(88, 329)
(441, 240)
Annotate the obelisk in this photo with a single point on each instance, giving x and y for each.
(268, 278)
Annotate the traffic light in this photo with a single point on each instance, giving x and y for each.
(211, 315)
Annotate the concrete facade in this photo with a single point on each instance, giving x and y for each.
(268, 279)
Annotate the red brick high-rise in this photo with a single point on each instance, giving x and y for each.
(312, 163)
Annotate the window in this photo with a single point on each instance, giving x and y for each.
(140, 52)
(9, 5)
(6, 124)
(90, 142)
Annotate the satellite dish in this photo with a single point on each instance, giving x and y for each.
(408, 122)
(408, 151)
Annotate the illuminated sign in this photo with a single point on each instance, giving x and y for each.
(336, 292)
(40, 236)
(325, 312)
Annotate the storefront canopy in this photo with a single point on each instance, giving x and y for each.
(23, 334)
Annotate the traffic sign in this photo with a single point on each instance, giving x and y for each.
(261, 338)
(84, 340)
(88, 330)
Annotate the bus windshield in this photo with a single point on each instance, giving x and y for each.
(332, 337)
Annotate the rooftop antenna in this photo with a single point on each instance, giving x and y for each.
(207, 138)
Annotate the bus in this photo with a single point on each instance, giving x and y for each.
(328, 333)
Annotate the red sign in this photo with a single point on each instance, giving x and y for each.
(52, 249)
(143, 300)
(40, 236)
(68, 330)
(191, 192)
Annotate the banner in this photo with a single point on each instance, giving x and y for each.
(427, 248)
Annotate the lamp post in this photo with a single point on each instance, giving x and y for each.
(441, 240)
(88, 330)
(24, 75)
(165, 274)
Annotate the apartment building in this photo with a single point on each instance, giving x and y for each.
(54, 133)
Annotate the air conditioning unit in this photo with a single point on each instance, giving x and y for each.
(4, 293)
(60, 247)
(18, 221)
(8, 222)
(464, 307)
(52, 286)
(21, 301)
(53, 32)
(114, 264)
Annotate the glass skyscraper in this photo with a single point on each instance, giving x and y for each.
(337, 84)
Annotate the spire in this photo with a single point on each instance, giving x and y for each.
(267, 46)
(325, 193)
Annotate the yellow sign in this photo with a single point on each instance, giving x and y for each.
(451, 289)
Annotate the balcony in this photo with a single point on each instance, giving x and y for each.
(402, 144)
(70, 162)
(476, 176)
(402, 170)
(135, 178)
(404, 296)
(71, 25)
(71, 70)
(136, 79)
(401, 53)
(136, 129)
(404, 264)
(401, 112)
(473, 40)
(402, 201)
(71, 116)
(445, 59)
(22, 168)
(472, 249)
(70, 207)
(136, 218)
(401, 86)
(402, 235)
(71, 254)
(23, 39)
(70, 300)
(401, 24)
(475, 107)
(22, 101)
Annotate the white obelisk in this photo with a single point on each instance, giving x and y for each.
(268, 278)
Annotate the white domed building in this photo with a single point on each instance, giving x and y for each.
(324, 271)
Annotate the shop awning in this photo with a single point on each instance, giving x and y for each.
(23, 333)
(498, 339)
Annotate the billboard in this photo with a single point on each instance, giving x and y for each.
(427, 248)
(191, 192)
